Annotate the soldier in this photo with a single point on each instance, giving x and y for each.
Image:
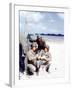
(41, 43)
(32, 59)
(45, 58)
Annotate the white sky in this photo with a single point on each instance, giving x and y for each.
(42, 22)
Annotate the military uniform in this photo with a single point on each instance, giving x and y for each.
(32, 59)
(45, 58)
(41, 44)
(45, 55)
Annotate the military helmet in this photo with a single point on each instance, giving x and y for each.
(34, 44)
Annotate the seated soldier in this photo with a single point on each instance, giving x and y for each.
(32, 59)
(45, 58)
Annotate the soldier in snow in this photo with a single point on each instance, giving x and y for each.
(45, 58)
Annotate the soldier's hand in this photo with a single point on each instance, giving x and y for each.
(39, 57)
(43, 57)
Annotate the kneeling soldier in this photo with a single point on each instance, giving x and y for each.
(45, 58)
(32, 59)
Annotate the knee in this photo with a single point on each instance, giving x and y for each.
(32, 67)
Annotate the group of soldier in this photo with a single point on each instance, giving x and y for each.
(37, 56)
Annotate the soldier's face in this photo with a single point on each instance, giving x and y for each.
(46, 49)
(40, 39)
(34, 48)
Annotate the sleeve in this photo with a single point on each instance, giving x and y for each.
(44, 43)
(41, 53)
(48, 57)
(31, 56)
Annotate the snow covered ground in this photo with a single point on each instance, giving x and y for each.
(57, 68)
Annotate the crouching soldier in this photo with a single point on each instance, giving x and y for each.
(32, 59)
(45, 58)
